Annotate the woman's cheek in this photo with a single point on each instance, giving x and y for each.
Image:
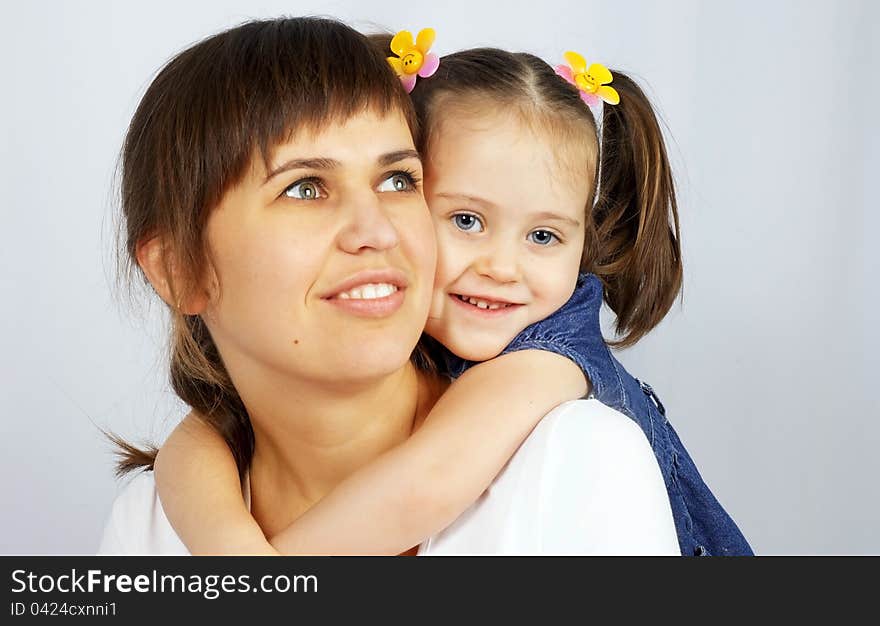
(418, 246)
(452, 258)
(428, 244)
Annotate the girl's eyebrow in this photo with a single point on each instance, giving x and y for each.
(324, 163)
(540, 215)
(468, 198)
(550, 215)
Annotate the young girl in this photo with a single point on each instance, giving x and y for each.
(525, 248)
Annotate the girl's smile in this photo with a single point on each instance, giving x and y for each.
(480, 305)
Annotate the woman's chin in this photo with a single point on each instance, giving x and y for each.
(367, 364)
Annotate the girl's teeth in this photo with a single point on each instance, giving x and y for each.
(368, 292)
(482, 304)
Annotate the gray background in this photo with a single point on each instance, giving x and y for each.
(763, 366)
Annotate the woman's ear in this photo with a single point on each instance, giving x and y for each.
(159, 266)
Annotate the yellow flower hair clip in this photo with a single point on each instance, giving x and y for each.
(591, 82)
(413, 58)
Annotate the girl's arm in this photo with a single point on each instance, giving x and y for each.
(394, 502)
(198, 485)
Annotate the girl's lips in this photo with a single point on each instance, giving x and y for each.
(372, 307)
(484, 313)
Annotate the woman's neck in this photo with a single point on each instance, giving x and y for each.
(304, 449)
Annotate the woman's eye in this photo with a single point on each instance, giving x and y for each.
(399, 181)
(304, 190)
(542, 237)
(467, 222)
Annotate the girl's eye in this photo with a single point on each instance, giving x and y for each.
(306, 189)
(399, 181)
(542, 237)
(467, 222)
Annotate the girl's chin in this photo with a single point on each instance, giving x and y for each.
(471, 346)
(476, 350)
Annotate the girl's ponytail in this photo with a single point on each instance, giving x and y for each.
(639, 256)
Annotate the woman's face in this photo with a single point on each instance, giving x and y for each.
(323, 259)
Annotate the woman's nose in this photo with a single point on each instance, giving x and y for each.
(368, 227)
(499, 262)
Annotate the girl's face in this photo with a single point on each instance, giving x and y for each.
(323, 259)
(509, 217)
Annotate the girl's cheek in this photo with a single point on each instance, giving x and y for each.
(553, 280)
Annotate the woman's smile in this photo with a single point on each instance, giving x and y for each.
(370, 293)
(369, 307)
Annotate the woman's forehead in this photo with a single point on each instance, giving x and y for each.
(365, 137)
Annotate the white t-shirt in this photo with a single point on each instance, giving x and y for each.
(585, 481)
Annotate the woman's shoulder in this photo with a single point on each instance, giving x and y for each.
(587, 436)
(137, 523)
(601, 489)
(576, 422)
(583, 469)
(576, 438)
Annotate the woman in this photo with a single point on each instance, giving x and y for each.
(308, 391)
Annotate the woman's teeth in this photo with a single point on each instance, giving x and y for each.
(369, 291)
(483, 304)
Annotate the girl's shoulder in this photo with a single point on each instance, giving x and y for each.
(137, 523)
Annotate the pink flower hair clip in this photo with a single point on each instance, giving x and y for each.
(413, 58)
(591, 82)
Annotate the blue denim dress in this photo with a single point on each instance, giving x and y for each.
(704, 528)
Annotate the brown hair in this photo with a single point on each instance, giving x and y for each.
(211, 110)
(630, 243)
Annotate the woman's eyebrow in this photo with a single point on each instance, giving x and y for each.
(324, 163)
(315, 163)
(390, 158)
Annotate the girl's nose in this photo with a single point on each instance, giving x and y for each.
(368, 227)
(500, 262)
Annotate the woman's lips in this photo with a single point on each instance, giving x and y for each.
(369, 307)
(366, 293)
(387, 275)
(506, 308)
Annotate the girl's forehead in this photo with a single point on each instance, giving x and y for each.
(518, 190)
(457, 128)
(500, 149)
